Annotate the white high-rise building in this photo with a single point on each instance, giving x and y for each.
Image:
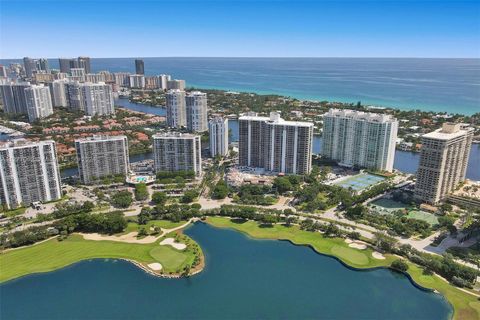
(360, 139)
(164, 78)
(443, 161)
(218, 132)
(77, 74)
(274, 144)
(177, 152)
(102, 156)
(176, 109)
(196, 105)
(137, 81)
(59, 93)
(28, 173)
(13, 96)
(98, 99)
(122, 79)
(176, 84)
(39, 102)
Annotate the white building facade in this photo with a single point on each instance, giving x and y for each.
(218, 133)
(196, 106)
(274, 144)
(98, 99)
(102, 156)
(28, 173)
(177, 152)
(39, 102)
(176, 108)
(360, 139)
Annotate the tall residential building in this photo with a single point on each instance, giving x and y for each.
(196, 106)
(59, 93)
(164, 78)
(218, 132)
(30, 66)
(274, 144)
(137, 81)
(177, 152)
(84, 62)
(176, 84)
(139, 66)
(176, 109)
(13, 96)
(76, 99)
(152, 82)
(98, 99)
(359, 139)
(95, 77)
(28, 173)
(66, 64)
(3, 71)
(102, 156)
(39, 102)
(77, 74)
(443, 161)
(42, 65)
(122, 79)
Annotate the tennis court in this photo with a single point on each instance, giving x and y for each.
(423, 215)
(387, 206)
(360, 181)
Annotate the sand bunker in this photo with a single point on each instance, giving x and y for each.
(130, 237)
(171, 242)
(348, 241)
(155, 266)
(378, 255)
(357, 245)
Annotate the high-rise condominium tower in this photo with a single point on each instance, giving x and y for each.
(274, 144)
(218, 131)
(176, 84)
(39, 102)
(84, 62)
(98, 99)
(13, 96)
(176, 109)
(59, 93)
(28, 173)
(30, 66)
(443, 161)
(177, 152)
(102, 156)
(137, 81)
(196, 104)
(139, 66)
(360, 139)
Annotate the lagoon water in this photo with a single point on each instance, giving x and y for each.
(244, 279)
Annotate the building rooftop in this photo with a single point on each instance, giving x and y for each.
(449, 131)
(101, 138)
(360, 115)
(173, 135)
(275, 119)
(22, 143)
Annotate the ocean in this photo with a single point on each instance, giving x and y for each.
(440, 85)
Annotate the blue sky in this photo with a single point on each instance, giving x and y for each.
(122, 28)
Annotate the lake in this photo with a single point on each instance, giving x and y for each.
(243, 279)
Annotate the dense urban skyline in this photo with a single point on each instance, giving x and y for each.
(234, 29)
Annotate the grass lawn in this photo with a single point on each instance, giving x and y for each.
(54, 254)
(465, 306)
(14, 212)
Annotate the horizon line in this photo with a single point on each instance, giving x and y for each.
(248, 57)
